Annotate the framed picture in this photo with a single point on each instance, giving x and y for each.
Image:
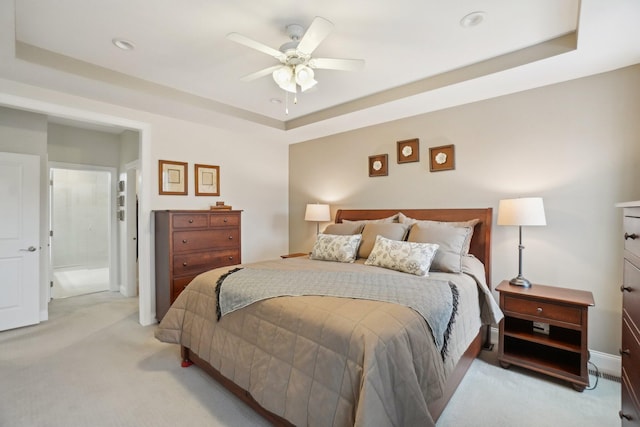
(172, 178)
(409, 151)
(442, 158)
(378, 165)
(207, 180)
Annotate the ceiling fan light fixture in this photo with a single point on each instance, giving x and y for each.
(283, 75)
(304, 77)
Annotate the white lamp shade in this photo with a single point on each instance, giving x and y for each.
(317, 212)
(522, 211)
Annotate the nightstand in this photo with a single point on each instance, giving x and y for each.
(294, 255)
(545, 329)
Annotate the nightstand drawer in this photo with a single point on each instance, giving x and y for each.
(542, 310)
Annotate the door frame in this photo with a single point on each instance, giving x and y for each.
(112, 227)
(146, 298)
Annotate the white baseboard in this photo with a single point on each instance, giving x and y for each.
(609, 364)
(44, 315)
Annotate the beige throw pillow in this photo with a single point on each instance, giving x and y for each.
(450, 240)
(393, 231)
(344, 228)
(403, 219)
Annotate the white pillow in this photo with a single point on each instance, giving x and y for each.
(331, 247)
(408, 257)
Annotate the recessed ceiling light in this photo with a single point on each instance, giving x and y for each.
(123, 44)
(472, 19)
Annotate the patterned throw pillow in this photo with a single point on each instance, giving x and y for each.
(331, 247)
(409, 257)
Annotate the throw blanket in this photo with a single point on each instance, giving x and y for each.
(435, 300)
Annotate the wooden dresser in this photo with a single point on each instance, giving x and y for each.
(188, 243)
(630, 288)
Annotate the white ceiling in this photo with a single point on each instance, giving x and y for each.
(418, 56)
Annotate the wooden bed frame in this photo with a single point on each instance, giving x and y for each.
(480, 247)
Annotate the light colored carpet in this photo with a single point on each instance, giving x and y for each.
(92, 364)
(73, 282)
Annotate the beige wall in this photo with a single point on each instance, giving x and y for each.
(576, 144)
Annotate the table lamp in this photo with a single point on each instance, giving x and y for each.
(521, 212)
(318, 213)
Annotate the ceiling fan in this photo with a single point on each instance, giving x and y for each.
(296, 63)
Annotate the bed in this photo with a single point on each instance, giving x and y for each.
(324, 358)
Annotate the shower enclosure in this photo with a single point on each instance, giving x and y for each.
(81, 231)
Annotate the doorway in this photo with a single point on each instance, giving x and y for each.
(81, 224)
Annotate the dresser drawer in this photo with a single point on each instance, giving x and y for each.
(631, 229)
(179, 285)
(543, 311)
(190, 220)
(631, 297)
(195, 263)
(221, 220)
(629, 406)
(184, 241)
(631, 356)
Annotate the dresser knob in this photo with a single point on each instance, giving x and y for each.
(190, 221)
(230, 258)
(230, 237)
(224, 220)
(184, 240)
(624, 352)
(184, 264)
(624, 288)
(632, 236)
(625, 416)
(539, 310)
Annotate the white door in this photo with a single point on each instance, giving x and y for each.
(19, 240)
(131, 224)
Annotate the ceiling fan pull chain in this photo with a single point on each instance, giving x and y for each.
(286, 102)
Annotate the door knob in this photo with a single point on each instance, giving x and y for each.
(29, 249)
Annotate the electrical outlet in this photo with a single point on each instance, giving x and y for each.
(542, 328)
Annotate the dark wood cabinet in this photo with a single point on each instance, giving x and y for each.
(188, 243)
(630, 288)
(545, 329)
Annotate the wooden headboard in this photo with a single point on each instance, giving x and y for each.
(480, 243)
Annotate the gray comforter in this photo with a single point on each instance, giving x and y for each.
(329, 361)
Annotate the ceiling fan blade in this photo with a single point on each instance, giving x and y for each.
(261, 73)
(317, 31)
(337, 64)
(239, 38)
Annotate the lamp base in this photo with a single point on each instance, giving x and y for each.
(520, 281)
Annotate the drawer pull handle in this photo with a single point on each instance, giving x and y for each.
(624, 288)
(632, 236)
(190, 221)
(230, 258)
(624, 352)
(184, 240)
(184, 264)
(224, 220)
(230, 237)
(539, 310)
(625, 416)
